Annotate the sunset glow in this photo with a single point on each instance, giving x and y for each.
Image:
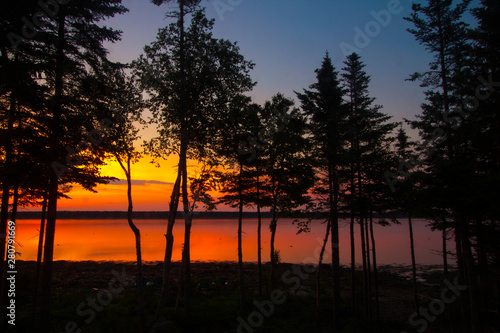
(151, 188)
(215, 240)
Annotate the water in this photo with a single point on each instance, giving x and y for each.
(216, 240)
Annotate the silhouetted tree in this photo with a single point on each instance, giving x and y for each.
(327, 114)
(151, 84)
(125, 110)
(75, 56)
(251, 145)
(443, 126)
(405, 196)
(485, 140)
(286, 162)
(210, 71)
(18, 90)
(242, 122)
(369, 154)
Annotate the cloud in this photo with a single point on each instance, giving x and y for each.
(158, 182)
(139, 182)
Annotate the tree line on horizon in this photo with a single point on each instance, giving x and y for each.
(66, 110)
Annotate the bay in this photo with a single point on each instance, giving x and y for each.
(216, 240)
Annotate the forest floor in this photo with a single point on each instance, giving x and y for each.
(92, 296)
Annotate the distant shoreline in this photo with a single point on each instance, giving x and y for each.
(120, 215)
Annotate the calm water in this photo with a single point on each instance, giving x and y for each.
(216, 240)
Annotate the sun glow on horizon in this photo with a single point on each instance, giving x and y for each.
(151, 188)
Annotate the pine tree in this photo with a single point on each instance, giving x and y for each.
(447, 129)
(53, 62)
(369, 154)
(486, 148)
(253, 138)
(327, 116)
(76, 56)
(18, 91)
(286, 164)
(241, 123)
(405, 197)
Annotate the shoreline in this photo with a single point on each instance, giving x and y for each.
(217, 281)
(146, 215)
(403, 271)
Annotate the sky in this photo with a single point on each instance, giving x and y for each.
(287, 40)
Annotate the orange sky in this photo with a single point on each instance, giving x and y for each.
(151, 189)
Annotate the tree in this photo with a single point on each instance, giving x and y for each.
(75, 53)
(208, 70)
(485, 144)
(53, 64)
(369, 154)
(327, 114)
(126, 108)
(286, 163)
(405, 195)
(18, 89)
(439, 27)
(151, 83)
(252, 139)
(243, 121)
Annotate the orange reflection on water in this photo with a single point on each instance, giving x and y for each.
(216, 240)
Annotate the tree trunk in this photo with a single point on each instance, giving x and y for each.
(15, 203)
(174, 199)
(180, 285)
(413, 264)
(368, 269)
(461, 270)
(365, 276)
(184, 147)
(375, 270)
(39, 252)
(15, 197)
(482, 260)
(259, 234)
(240, 248)
(318, 272)
(273, 257)
(140, 284)
(137, 233)
(364, 253)
(273, 227)
(445, 250)
(187, 242)
(471, 276)
(353, 265)
(334, 199)
(446, 105)
(53, 177)
(49, 252)
(169, 236)
(353, 151)
(451, 322)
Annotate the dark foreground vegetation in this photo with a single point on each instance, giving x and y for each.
(66, 110)
(216, 299)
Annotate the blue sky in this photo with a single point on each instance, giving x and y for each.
(287, 40)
